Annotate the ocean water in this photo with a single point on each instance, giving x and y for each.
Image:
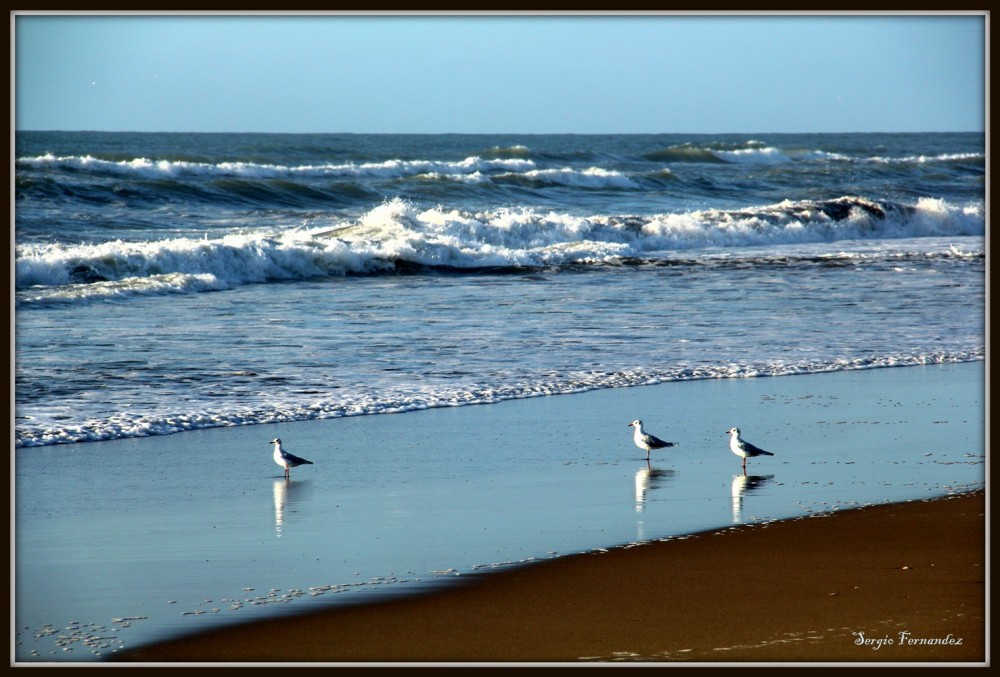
(168, 282)
(181, 299)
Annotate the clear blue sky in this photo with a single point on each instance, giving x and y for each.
(518, 74)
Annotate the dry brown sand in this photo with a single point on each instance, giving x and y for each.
(822, 588)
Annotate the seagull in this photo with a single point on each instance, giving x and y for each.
(644, 440)
(742, 448)
(285, 459)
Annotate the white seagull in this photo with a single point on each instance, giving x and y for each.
(644, 440)
(285, 459)
(742, 448)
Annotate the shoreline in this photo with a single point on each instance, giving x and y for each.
(832, 587)
(446, 406)
(462, 494)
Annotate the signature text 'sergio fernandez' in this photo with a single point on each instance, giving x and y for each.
(904, 638)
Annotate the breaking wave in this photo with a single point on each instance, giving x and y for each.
(399, 236)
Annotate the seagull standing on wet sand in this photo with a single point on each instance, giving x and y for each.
(285, 459)
(742, 448)
(644, 440)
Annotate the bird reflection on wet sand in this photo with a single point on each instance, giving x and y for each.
(742, 485)
(648, 478)
(285, 491)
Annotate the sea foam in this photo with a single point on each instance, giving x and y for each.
(133, 423)
(145, 167)
(399, 233)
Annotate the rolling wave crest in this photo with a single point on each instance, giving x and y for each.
(398, 235)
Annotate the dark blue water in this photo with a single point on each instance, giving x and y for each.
(175, 281)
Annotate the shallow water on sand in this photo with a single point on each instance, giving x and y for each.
(124, 542)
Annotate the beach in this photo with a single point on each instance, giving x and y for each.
(894, 583)
(456, 331)
(198, 532)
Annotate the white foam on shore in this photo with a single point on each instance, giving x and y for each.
(131, 424)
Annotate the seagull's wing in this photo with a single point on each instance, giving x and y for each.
(293, 458)
(656, 442)
(755, 451)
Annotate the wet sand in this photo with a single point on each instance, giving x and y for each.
(888, 583)
(161, 544)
